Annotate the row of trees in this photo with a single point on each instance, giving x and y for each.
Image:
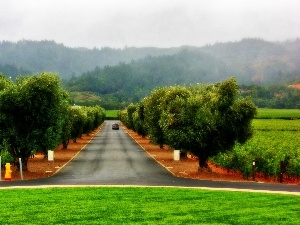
(35, 116)
(201, 119)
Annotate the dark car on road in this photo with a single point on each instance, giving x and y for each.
(115, 126)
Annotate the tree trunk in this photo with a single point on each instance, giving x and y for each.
(24, 164)
(183, 154)
(65, 144)
(203, 159)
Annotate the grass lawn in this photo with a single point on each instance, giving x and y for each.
(112, 113)
(128, 205)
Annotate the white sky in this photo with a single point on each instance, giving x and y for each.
(144, 23)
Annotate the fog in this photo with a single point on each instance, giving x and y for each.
(145, 23)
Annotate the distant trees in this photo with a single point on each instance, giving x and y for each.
(201, 119)
(122, 84)
(275, 96)
(30, 55)
(13, 71)
(81, 120)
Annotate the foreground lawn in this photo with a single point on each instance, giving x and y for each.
(106, 205)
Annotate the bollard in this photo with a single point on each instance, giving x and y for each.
(281, 172)
(176, 155)
(50, 155)
(253, 170)
(21, 168)
(7, 171)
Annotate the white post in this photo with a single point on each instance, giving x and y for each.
(176, 155)
(21, 168)
(50, 155)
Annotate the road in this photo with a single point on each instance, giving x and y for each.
(114, 158)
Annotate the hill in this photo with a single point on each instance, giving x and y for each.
(38, 56)
(258, 61)
(121, 76)
(251, 60)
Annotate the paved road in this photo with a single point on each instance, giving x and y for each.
(114, 158)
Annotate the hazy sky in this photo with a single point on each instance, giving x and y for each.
(144, 23)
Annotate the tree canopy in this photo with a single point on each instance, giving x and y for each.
(201, 119)
(35, 115)
(31, 114)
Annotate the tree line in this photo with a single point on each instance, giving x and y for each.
(35, 115)
(274, 96)
(47, 55)
(201, 119)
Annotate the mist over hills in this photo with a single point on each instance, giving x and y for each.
(38, 56)
(250, 60)
(121, 76)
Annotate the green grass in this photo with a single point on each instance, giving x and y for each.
(112, 113)
(128, 205)
(278, 114)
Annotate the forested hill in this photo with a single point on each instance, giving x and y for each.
(251, 60)
(38, 56)
(125, 83)
(259, 61)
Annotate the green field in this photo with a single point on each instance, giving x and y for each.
(278, 114)
(276, 125)
(112, 113)
(274, 140)
(128, 205)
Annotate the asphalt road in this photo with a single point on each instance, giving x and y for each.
(114, 158)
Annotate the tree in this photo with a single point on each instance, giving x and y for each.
(4, 82)
(130, 110)
(66, 127)
(138, 120)
(152, 112)
(206, 120)
(31, 115)
(78, 118)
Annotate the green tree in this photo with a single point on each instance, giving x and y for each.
(78, 118)
(66, 127)
(4, 82)
(152, 112)
(207, 119)
(139, 119)
(130, 110)
(31, 115)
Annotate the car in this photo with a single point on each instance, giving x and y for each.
(115, 126)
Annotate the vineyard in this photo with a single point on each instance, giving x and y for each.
(275, 141)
